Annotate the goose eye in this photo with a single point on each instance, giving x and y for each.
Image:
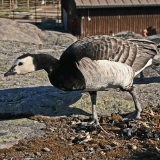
(20, 63)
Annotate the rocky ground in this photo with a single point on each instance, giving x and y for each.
(63, 138)
(40, 122)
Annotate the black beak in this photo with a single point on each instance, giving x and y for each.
(10, 72)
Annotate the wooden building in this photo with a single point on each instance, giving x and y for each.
(95, 17)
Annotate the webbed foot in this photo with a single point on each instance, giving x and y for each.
(132, 116)
(94, 122)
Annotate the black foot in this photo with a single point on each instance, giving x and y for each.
(134, 115)
(141, 76)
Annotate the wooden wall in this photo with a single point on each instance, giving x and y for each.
(119, 19)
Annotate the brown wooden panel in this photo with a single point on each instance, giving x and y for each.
(86, 2)
(152, 2)
(110, 20)
(111, 2)
(135, 1)
(119, 2)
(158, 1)
(79, 2)
(127, 2)
(103, 2)
(94, 2)
(143, 1)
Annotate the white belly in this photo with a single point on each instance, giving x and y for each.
(102, 74)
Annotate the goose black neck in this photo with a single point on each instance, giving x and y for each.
(46, 62)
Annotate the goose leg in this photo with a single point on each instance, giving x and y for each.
(95, 121)
(137, 112)
(141, 76)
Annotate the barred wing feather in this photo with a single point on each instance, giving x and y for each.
(133, 52)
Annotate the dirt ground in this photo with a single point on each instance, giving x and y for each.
(66, 139)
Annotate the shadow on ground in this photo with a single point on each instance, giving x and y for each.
(49, 101)
(147, 80)
(44, 100)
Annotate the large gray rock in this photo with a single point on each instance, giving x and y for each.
(23, 32)
(26, 32)
(49, 101)
(58, 38)
(65, 40)
(154, 38)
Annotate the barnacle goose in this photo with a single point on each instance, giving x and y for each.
(93, 64)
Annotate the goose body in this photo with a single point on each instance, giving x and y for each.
(92, 75)
(86, 74)
(93, 64)
(137, 53)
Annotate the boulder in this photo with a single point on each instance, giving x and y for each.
(29, 33)
(49, 101)
(65, 40)
(23, 32)
(128, 35)
(154, 38)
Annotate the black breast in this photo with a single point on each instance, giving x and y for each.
(67, 77)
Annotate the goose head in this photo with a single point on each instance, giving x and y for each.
(22, 65)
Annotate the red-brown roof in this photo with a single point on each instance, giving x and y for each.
(115, 3)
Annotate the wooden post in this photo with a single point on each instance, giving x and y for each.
(35, 10)
(2, 4)
(28, 4)
(45, 7)
(10, 3)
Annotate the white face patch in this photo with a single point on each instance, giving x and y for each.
(23, 66)
(149, 63)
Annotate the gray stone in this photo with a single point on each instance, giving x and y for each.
(38, 153)
(11, 131)
(46, 149)
(154, 38)
(13, 31)
(26, 32)
(66, 40)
